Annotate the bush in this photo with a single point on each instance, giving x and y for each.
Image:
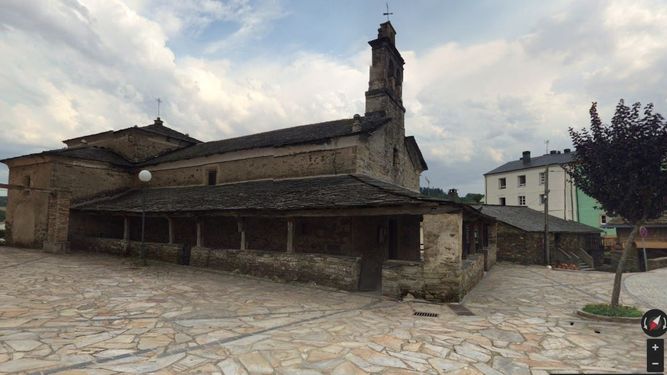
(606, 310)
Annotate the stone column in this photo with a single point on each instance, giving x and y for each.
(126, 228)
(170, 221)
(290, 235)
(443, 242)
(241, 228)
(58, 222)
(199, 234)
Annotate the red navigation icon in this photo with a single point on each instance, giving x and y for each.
(654, 323)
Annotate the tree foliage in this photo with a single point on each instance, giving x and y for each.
(623, 165)
(470, 198)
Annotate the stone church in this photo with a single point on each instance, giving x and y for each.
(336, 203)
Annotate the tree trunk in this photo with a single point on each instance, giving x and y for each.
(616, 292)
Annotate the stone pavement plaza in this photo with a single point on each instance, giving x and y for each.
(97, 314)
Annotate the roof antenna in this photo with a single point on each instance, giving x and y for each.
(159, 101)
(546, 146)
(387, 13)
(157, 121)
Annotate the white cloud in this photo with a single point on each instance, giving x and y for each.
(71, 68)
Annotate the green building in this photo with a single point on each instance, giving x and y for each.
(589, 213)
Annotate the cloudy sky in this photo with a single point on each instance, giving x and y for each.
(484, 79)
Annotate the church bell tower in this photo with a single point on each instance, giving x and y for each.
(386, 73)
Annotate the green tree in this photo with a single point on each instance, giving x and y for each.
(473, 198)
(623, 165)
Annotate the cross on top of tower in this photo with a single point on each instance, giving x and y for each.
(387, 13)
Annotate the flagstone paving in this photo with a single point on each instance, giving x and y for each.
(95, 314)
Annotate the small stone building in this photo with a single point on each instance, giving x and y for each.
(520, 236)
(336, 203)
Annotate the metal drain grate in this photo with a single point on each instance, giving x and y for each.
(460, 309)
(426, 314)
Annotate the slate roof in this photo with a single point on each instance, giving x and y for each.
(159, 128)
(619, 222)
(415, 153)
(156, 127)
(530, 220)
(86, 153)
(312, 133)
(537, 161)
(340, 191)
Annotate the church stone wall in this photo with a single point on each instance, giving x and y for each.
(384, 156)
(27, 219)
(88, 179)
(303, 164)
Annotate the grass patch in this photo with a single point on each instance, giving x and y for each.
(606, 310)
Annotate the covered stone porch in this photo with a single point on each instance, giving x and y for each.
(415, 247)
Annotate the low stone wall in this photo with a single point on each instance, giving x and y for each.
(340, 272)
(473, 272)
(657, 263)
(99, 245)
(158, 251)
(400, 277)
(490, 255)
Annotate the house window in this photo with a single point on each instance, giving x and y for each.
(522, 200)
(26, 181)
(212, 177)
(395, 159)
(543, 198)
(502, 183)
(603, 219)
(522, 180)
(501, 201)
(542, 178)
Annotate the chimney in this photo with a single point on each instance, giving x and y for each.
(526, 157)
(158, 122)
(453, 193)
(567, 151)
(356, 123)
(553, 152)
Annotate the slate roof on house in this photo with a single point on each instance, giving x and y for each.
(311, 133)
(415, 153)
(340, 191)
(85, 153)
(619, 222)
(537, 161)
(530, 220)
(156, 127)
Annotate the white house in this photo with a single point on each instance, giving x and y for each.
(521, 183)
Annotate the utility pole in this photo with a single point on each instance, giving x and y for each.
(547, 256)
